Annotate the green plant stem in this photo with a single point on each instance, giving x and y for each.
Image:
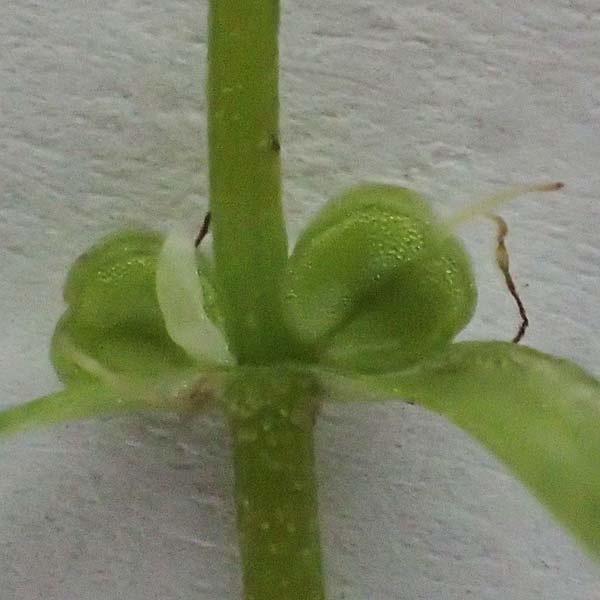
(271, 412)
(73, 403)
(250, 240)
(271, 417)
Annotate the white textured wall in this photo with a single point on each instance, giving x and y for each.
(102, 124)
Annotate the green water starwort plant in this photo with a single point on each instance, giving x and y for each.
(370, 300)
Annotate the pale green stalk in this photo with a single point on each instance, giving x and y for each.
(74, 403)
(271, 414)
(271, 417)
(250, 240)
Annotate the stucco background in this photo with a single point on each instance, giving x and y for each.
(102, 125)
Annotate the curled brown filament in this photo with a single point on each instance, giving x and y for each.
(483, 208)
(203, 230)
(503, 263)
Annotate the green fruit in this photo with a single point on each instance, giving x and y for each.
(113, 314)
(377, 282)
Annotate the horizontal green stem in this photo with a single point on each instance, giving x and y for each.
(67, 405)
(539, 414)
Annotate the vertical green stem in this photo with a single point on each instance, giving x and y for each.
(271, 418)
(271, 413)
(245, 180)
